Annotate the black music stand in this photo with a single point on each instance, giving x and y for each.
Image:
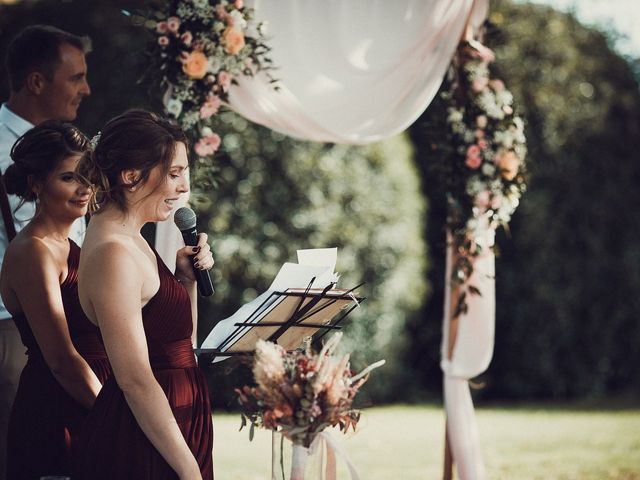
(286, 318)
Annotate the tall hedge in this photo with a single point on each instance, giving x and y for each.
(567, 271)
(277, 194)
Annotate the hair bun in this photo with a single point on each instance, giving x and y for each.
(16, 182)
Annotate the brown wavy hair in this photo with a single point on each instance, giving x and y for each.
(136, 139)
(38, 152)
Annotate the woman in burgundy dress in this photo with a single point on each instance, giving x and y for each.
(39, 284)
(152, 419)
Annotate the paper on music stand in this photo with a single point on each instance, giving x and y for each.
(320, 269)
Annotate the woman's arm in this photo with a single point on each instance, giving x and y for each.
(113, 283)
(184, 273)
(36, 284)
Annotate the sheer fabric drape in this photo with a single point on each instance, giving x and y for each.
(352, 71)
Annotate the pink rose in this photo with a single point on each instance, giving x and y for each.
(173, 24)
(508, 163)
(479, 84)
(484, 53)
(221, 13)
(224, 80)
(473, 151)
(161, 27)
(207, 145)
(481, 121)
(473, 162)
(497, 85)
(507, 109)
(163, 41)
(238, 4)
(186, 38)
(479, 133)
(210, 107)
(482, 143)
(482, 199)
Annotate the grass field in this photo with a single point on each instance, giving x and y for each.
(406, 442)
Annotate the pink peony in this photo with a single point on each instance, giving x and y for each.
(162, 27)
(210, 107)
(473, 162)
(195, 65)
(163, 41)
(224, 80)
(173, 24)
(186, 38)
(207, 145)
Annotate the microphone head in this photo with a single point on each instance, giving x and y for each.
(185, 218)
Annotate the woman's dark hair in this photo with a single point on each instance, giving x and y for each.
(137, 139)
(38, 152)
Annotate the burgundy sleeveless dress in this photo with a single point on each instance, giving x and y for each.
(112, 446)
(45, 419)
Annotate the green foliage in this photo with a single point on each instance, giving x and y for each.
(567, 276)
(276, 195)
(273, 195)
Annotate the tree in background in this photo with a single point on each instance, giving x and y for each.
(273, 195)
(276, 194)
(567, 276)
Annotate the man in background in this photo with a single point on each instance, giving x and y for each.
(48, 80)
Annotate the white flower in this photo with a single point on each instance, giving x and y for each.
(200, 3)
(214, 64)
(238, 19)
(252, 30)
(504, 97)
(206, 131)
(469, 136)
(488, 169)
(454, 115)
(174, 107)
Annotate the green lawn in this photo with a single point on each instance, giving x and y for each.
(406, 442)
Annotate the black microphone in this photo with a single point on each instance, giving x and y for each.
(185, 220)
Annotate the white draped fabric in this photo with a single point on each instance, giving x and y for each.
(352, 71)
(357, 71)
(470, 357)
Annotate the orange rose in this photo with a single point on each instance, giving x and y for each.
(233, 40)
(195, 65)
(508, 163)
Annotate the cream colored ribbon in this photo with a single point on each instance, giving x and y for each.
(324, 443)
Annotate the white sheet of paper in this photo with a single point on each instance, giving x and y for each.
(319, 256)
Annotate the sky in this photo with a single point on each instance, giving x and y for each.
(620, 15)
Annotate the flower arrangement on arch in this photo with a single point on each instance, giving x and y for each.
(202, 47)
(300, 393)
(479, 155)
